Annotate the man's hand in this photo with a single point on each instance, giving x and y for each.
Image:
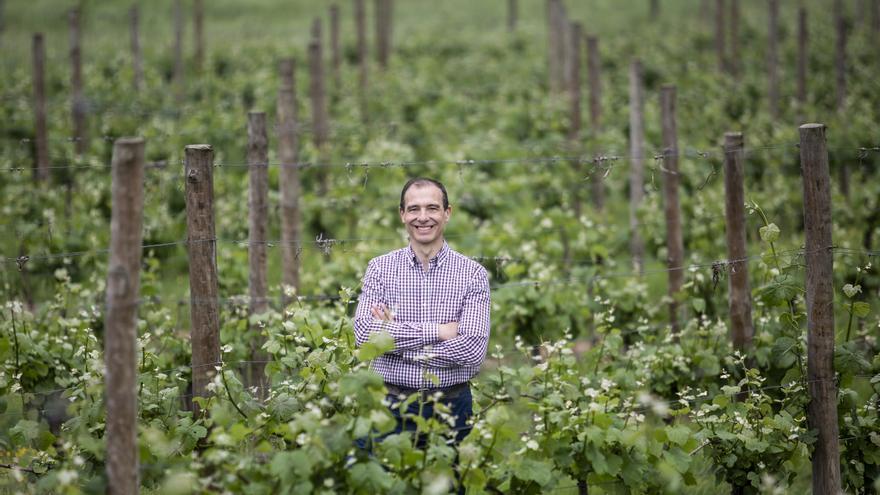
(447, 331)
(381, 312)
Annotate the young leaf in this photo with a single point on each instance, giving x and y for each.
(769, 233)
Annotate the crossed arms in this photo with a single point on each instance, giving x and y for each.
(441, 345)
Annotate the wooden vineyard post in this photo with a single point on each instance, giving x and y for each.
(734, 62)
(773, 59)
(41, 140)
(178, 51)
(258, 221)
(258, 207)
(840, 82)
(78, 103)
(574, 128)
(335, 55)
(875, 20)
(551, 44)
(378, 20)
(120, 338)
(555, 45)
(840, 53)
(384, 11)
(637, 164)
(360, 19)
(574, 83)
(739, 294)
(719, 36)
(199, 31)
(594, 65)
(562, 25)
(203, 284)
(674, 240)
(802, 57)
(136, 56)
(288, 180)
(512, 14)
(318, 96)
(822, 409)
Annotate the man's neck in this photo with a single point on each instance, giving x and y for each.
(425, 253)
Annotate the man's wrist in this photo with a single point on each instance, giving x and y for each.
(431, 333)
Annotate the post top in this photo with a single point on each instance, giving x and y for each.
(198, 147)
(129, 140)
(812, 126)
(733, 135)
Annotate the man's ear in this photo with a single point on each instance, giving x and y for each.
(400, 212)
(448, 212)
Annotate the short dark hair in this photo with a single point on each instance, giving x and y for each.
(424, 181)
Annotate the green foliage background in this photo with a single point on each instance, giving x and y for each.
(614, 399)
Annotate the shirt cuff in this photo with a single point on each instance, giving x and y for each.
(430, 333)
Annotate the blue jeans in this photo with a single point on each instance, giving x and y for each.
(460, 406)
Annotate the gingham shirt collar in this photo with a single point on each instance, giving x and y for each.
(436, 260)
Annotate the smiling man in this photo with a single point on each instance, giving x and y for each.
(435, 304)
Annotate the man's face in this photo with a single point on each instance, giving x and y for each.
(424, 216)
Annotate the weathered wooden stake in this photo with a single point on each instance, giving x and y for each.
(773, 59)
(77, 102)
(2, 20)
(674, 240)
(258, 220)
(203, 284)
(288, 182)
(41, 140)
(573, 83)
(360, 19)
(178, 51)
(840, 81)
(802, 56)
(564, 43)
(637, 164)
(335, 53)
(734, 62)
(199, 30)
(318, 93)
(655, 9)
(573, 80)
(384, 19)
(739, 294)
(555, 46)
(512, 14)
(875, 20)
(822, 409)
(136, 56)
(594, 67)
(120, 336)
(840, 53)
(258, 208)
(720, 50)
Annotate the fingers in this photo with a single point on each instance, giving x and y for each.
(381, 312)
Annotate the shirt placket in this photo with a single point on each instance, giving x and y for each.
(424, 296)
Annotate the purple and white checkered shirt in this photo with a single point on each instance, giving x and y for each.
(455, 288)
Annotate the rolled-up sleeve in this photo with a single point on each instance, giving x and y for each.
(407, 336)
